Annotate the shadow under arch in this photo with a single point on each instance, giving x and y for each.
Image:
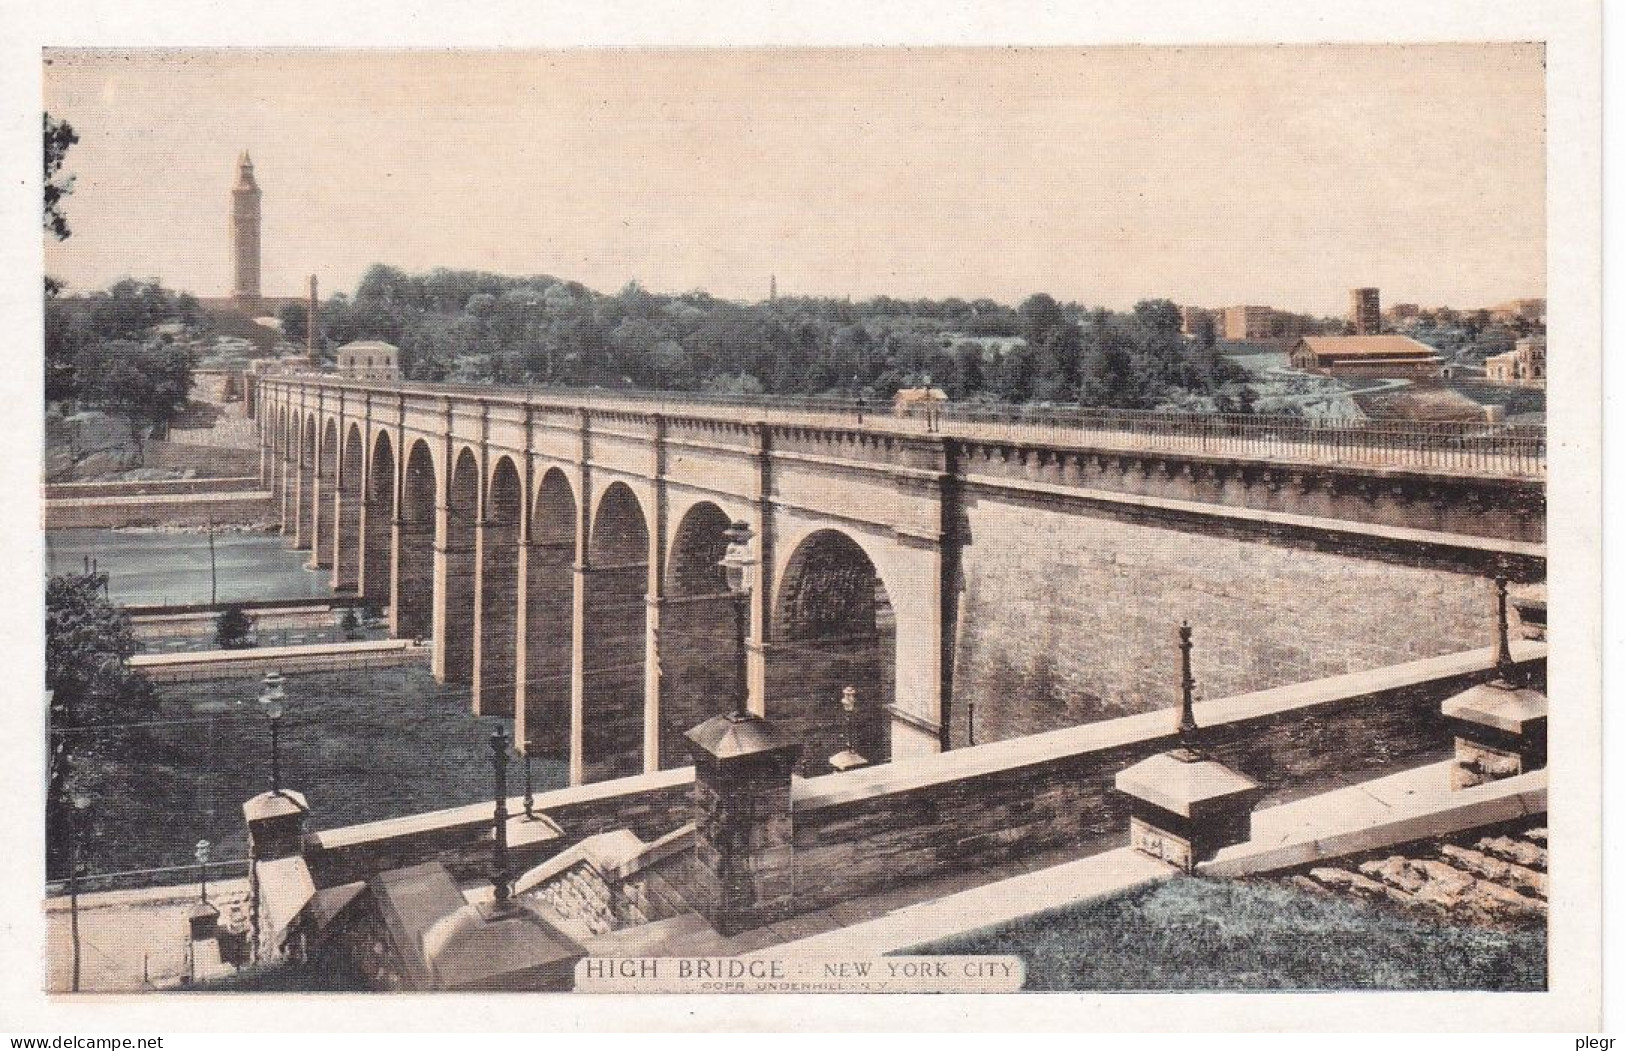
(697, 634)
(378, 523)
(413, 611)
(494, 680)
(615, 623)
(833, 627)
(462, 518)
(544, 726)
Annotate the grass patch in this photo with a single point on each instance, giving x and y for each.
(1196, 935)
(362, 745)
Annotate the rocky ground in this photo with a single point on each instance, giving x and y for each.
(1491, 878)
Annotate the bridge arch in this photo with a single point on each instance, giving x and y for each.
(305, 497)
(498, 553)
(696, 627)
(833, 626)
(616, 623)
(412, 604)
(542, 726)
(347, 537)
(378, 517)
(456, 641)
(327, 470)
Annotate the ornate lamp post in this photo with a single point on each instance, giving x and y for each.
(1188, 751)
(76, 868)
(530, 791)
(849, 758)
(739, 567)
(271, 699)
(499, 764)
(1505, 669)
(202, 856)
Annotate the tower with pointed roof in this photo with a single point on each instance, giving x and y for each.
(245, 235)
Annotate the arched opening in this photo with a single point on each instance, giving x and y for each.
(321, 526)
(462, 518)
(697, 634)
(833, 627)
(544, 728)
(498, 592)
(615, 623)
(347, 537)
(377, 521)
(305, 492)
(412, 605)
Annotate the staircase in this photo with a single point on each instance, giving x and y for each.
(1491, 880)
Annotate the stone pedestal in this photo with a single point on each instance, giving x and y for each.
(203, 921)
(744, 848)
(1500, 732)
(276, 824)
(847, 759)
(1185, 811)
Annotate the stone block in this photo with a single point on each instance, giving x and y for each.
(1500, 731)
(276, 824)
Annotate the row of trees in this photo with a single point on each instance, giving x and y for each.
(468, 326)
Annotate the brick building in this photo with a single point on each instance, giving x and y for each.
(1524, 364)
(1365, 356)
(1365, 311)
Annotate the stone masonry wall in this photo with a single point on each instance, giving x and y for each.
(461, 837)
(1068, 617)
(852, 844)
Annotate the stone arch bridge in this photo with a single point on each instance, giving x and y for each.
(974, 578)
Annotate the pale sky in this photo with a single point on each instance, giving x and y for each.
(1276, 175)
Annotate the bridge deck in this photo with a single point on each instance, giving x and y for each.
(1452, 448)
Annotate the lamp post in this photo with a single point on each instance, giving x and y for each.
(739, 567)
(271, 699)
(202, 856)
(849, 705)
(499, 764)
(1505, 669)
(76, 804)
(1188, 751)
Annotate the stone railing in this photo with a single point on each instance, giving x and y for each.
(1483, 448)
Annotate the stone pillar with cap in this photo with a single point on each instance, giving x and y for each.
(1184, 806)
(1500, 725)
(744, 850)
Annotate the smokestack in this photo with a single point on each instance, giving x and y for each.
(310, 321)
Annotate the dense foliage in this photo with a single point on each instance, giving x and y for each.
(467, 326)
(93, 692)
(102, 350)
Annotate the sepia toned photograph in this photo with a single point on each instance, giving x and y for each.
(818, 519)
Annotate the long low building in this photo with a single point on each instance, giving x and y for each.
(1365, 356)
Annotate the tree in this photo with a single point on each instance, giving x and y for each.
(59, 135)
(294, 319)
(231, 629)
(1038, 314)
(147, 383)
(93, 691)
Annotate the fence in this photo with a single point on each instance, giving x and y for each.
(1517, 450)
(167, 876)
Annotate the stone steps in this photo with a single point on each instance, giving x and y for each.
(1518, 851)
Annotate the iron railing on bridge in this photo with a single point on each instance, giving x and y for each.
(1476, 447)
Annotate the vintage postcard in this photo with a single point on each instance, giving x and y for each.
(1037, 520)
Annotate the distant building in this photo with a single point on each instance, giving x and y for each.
(1248, 322)
(1365, 356)
(369, 359)
(1191, 320)
(1365, 311)
(1528, 309)
(1403, 311)
(1524, 364)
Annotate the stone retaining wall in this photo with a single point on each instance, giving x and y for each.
(245, 508)
(858, 833)
(651, 805)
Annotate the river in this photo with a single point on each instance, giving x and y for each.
(147, 567)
